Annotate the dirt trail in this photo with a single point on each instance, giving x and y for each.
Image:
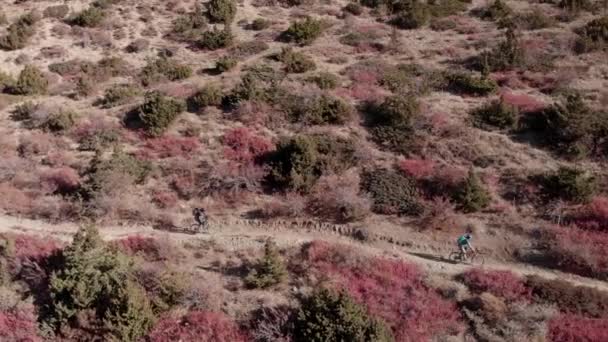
(237, 234)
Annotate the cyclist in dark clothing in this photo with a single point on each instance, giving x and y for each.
(200, 216)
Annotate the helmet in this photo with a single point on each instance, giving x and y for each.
(467, 236)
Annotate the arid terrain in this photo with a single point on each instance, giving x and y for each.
(339, 148)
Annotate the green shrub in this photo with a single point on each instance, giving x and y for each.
(19, 32)
(221, 11)
(269, 271)
(96, 280)
(31, 81)
(60, 121)
(189, 26)
(509, 54)
(466, 83)
(295, 61)
(353, 8)
(533, 20)
(575, 6)
(166, 288)
(445, 8)
(325, 80)
(415, 17)
(471, 195)
(330, 316)
(496, 11)
(225, 63)
(164, 68)
(6, 81)
(103, 172)
(298, 162)
(572, 127)
(99, 140)
(119, 94)
(57, 11)
(495, 114)
(569, 184)
(593, 36)
(398, 79)
(324, 109)
(90, 17)
(209, 95)
(391, 123)
(391, 192)
(248, 49)
(158, 112)
(260, 24)
(583, 300)
(24, 111)
(304, 32)
(215, 39)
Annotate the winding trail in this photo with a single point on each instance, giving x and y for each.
(234, 234)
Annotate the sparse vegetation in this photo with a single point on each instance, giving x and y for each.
(465, 83)
(325, 80)
(90, 17)
(209, 95)
(19, 33)
(119, 94)
(225, 63)
(259, 24)
(593, 36)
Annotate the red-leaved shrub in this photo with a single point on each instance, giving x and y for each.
(579, 251)
(165, 199)
(243, 146)
(391, 289)
(63, 180)
(573, 328)
(593, 216)
(525, 103)
(503, 284)
(196, 326)
(18, 327)
(32, 247)
(170, 146)
(417, 168)
(151, 249)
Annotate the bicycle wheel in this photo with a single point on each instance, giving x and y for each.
(477, 259)
(455, 257)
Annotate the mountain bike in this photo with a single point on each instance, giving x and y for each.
(199, 227)
(473, 258)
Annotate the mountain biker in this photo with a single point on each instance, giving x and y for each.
(200, 216)
(464, 244)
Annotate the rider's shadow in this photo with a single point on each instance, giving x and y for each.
(432, 257)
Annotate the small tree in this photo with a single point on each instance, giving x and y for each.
(471, 195)
(158, 112)
(569, 184)
(331, 316)
(221, 11)
(31, 81)
(269, 271)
